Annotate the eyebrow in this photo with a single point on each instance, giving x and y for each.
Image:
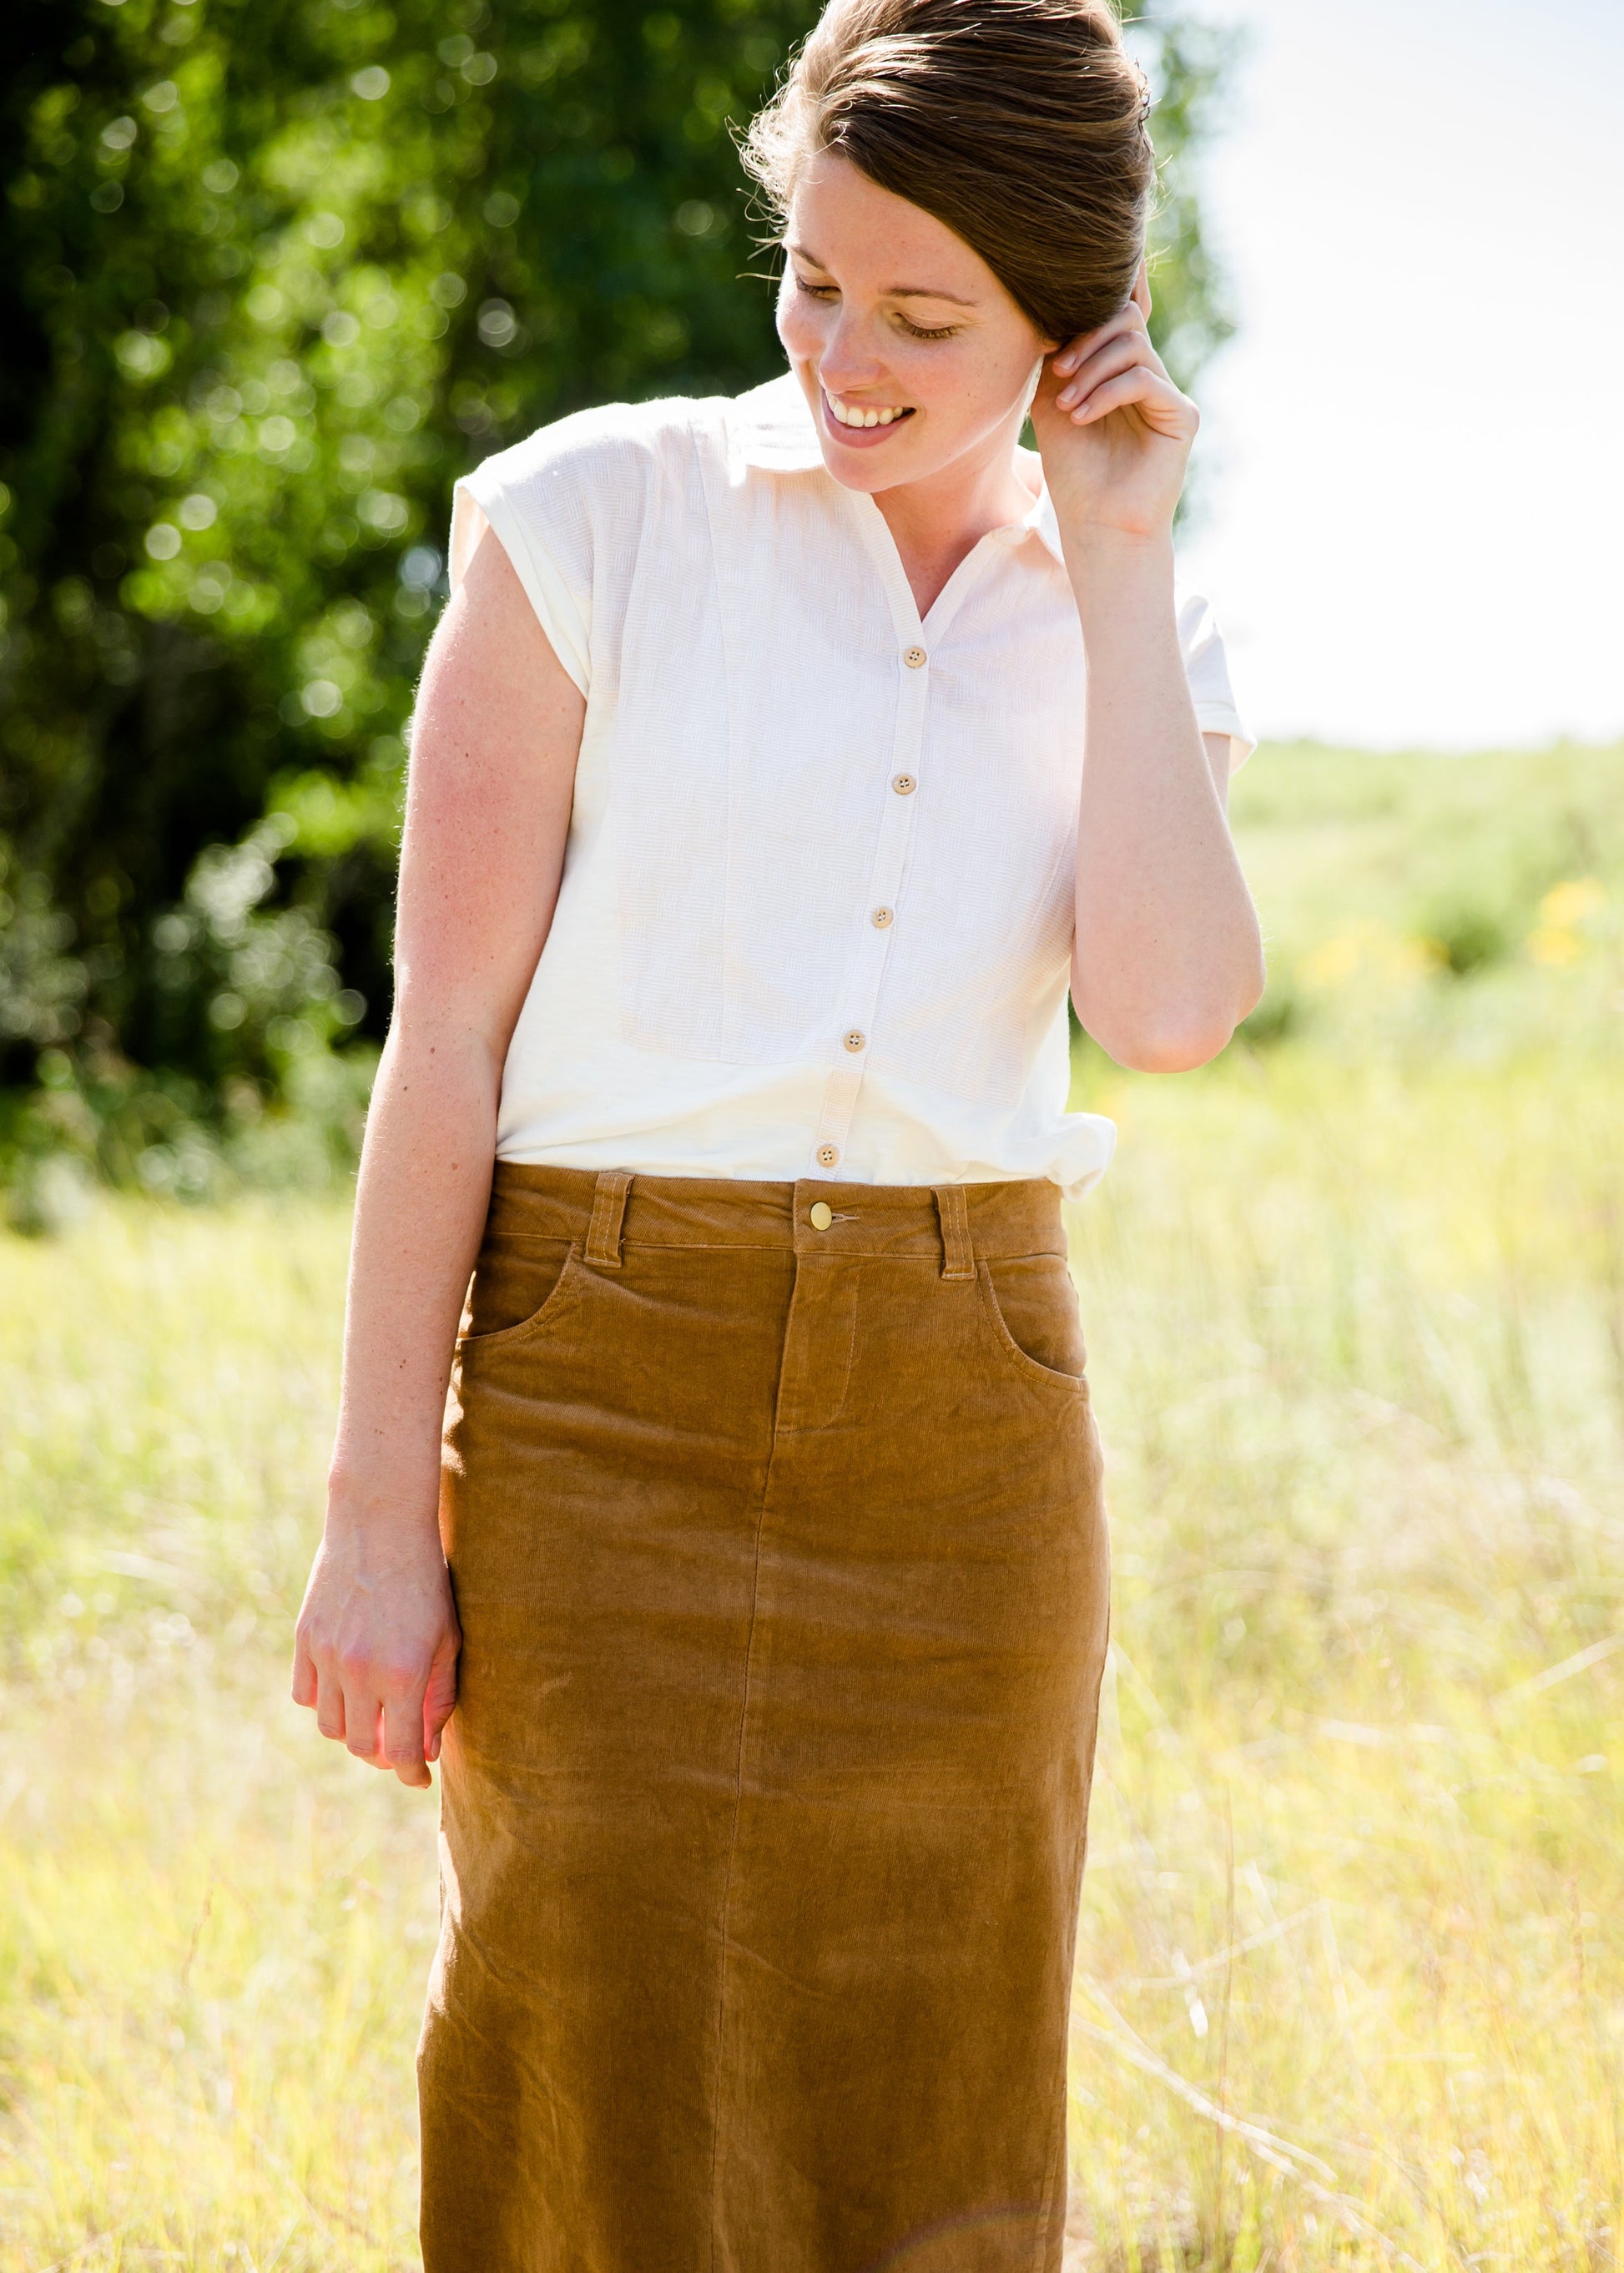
(892, 291)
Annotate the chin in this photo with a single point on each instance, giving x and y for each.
(874, 463)
(865, 479)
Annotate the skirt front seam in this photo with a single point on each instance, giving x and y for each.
(720, 2078)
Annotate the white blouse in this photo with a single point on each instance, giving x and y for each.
(816, 910)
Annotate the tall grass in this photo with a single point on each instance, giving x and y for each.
(1350, 1984)
(212, 1931)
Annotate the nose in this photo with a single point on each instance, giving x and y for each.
(848, 360)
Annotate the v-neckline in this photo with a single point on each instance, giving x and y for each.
(883, 548)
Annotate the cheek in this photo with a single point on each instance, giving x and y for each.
(797, 320)
(991, 385)
(956, 383)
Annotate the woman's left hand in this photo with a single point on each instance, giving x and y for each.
(1113, 430)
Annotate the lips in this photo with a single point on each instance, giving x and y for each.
(863, 437)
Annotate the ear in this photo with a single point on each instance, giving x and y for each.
(1140, 293)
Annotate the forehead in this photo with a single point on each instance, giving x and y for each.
(856, 230)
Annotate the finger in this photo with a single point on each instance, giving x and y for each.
(1137, 386)
(364, 1720)
(1077, 351)
(304, 1684)
(330, 1707)
(440, 1698)
(1133, 386)
(1127, 320)
(1123, 353)
(403, 1737)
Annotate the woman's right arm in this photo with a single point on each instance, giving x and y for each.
(492, 780)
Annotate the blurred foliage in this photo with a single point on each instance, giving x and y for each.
(1187, 62)
(1415, 905)
(274, 274)
(1421, 910)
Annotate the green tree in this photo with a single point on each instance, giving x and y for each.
(275, 271)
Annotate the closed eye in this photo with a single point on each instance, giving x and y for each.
(903, 323)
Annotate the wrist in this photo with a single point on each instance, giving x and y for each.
(1119, 579)
(1109, 547)
(379, 1499)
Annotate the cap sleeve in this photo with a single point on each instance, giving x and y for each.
(535, 497)
(1207, 670)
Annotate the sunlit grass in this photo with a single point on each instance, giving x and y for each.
(1350, 1985)
(1356, 1838)
(213, 1931)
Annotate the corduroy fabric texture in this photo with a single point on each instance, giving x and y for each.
(781, 1560)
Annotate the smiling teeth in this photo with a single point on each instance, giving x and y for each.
(861, 417)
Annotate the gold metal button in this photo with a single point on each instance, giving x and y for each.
(913, 656)
(855, 1040)
(821, 1214)
(882, 918)
(904, 785)
(828, 1155)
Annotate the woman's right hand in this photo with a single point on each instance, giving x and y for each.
(375, 1650)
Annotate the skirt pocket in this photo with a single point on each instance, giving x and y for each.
(1030, 1305)
(520, 1286)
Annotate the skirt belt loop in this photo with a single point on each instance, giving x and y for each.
(602, 1238)
(957, 1254)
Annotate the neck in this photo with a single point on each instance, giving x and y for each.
(937, 522)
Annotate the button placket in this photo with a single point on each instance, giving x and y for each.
(849, 1050)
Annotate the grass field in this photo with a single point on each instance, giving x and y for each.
(1350, 1985)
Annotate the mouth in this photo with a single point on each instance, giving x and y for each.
(861, 425)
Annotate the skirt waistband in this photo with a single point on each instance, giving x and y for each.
(608, 1210)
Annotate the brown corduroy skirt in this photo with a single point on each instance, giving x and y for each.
(774, 1516)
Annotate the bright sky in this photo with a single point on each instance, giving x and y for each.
(1413, 453)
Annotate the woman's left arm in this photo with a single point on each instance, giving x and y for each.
(1167, 957)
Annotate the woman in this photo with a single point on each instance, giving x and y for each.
(749, 849)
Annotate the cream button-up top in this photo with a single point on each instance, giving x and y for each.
(816, 910)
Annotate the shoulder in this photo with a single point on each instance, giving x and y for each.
(612, 445)
(624, 451)
(583, 502)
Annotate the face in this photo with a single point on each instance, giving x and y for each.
(913, 356)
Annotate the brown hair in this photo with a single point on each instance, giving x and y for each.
(1020, 123)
